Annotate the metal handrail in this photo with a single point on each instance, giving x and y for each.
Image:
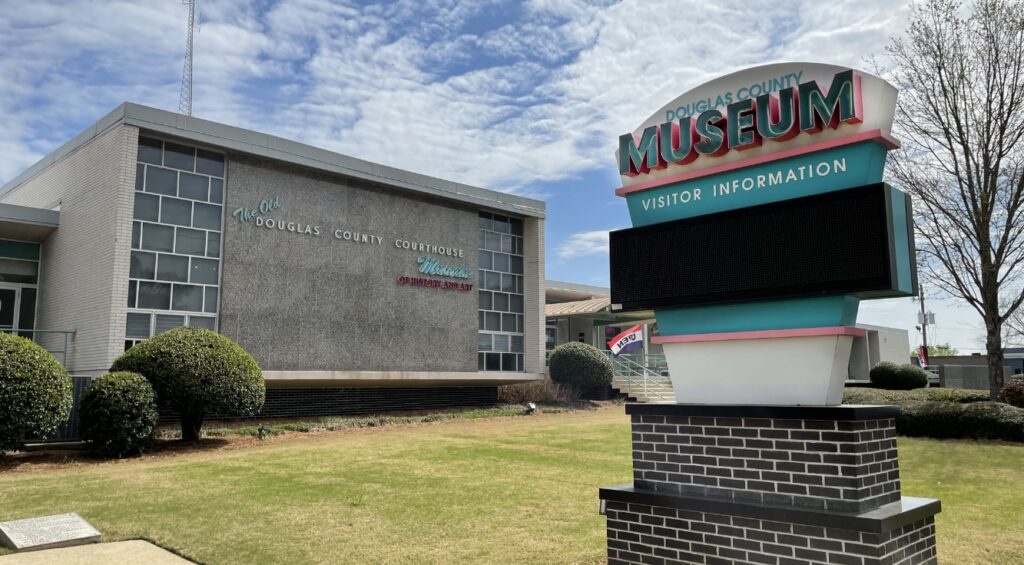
(629, 369)
(63, 352)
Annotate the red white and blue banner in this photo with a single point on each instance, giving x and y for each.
(627, 341)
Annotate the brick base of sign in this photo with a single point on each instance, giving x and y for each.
(766, 484)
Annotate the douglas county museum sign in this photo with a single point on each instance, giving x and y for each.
(760, 221)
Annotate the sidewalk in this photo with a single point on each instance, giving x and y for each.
(133, 552)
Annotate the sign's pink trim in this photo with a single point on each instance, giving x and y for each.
(876, 135)
(761, 334)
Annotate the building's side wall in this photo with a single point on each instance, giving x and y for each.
(894, 346)
(305, 302)
(84, 270)
(533, 301)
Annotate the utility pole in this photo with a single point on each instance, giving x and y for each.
(923, 318)
(185, 98)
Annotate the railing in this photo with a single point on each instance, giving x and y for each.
(61, 353)
(642, 376)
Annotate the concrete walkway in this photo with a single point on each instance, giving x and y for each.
(133, 552)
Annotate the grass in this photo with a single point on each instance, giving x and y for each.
(482, 490)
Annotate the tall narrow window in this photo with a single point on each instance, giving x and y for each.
(500, 288)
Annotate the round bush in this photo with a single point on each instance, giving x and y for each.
(579, 366)
(898, 377)
(196, 372)
(884, 372)
(35, 391)
(993, 420)
(1013, 394)
(118, 414)
(977, 420)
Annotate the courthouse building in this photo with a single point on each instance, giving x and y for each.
(355, 286)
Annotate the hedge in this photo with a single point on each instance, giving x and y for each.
(118, 415)
(976, 420)
(1013, 394)
(578, 366)
(196, 372)
(858, 395)
(35, 391)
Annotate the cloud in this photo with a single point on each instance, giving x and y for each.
(584, 244)
(500, 95)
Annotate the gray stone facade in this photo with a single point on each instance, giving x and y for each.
(302, 301)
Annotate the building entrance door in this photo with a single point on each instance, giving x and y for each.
(8, 307)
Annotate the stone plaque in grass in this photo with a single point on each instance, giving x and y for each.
(46, 532)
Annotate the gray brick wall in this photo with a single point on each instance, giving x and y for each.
(639, 533)
(533, 299)
(823, 464)
(84, 269)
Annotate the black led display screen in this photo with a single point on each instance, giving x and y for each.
(834, 243)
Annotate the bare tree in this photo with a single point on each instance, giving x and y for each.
(961, 118)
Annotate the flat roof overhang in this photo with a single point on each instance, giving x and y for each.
(394, 379)
(233, 139)
(23, 223)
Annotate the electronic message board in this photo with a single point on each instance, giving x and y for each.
(832, 243)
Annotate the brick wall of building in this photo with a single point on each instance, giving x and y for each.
(84, 269)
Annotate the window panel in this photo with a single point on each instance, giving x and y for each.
(486, 302)
(204, 271)
(136, 235)
(484, 221)
(501, 224)
(492, 321)
(172, 268)
(147, 207)
(209, 163)
(515, 303)
(508, 362)
(190, 242)
(508, 283)
(142, 265)
(501, 302)
(187, 297)
(154, 295)
(508, 323)
(157, 238)
(492, 241)
(506, 244)
(210, 300)
(207, 216)
(492, 281)
(501, 262)
(493, 361)
(137, 325)
(517, 226)
(481, 361)
(196, 187)
(217, 191)
(140, 178)
(207, 322)
(500, 342)
(151, 151)
(132, 287)
(516, 343)
(176, 211)
(179, 156)
(213, 244)
(483, 342)
(485, 260)
(516, 264)
(161, 181)
(17, 271)
(165, 322)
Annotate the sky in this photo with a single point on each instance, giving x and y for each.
(522, 97)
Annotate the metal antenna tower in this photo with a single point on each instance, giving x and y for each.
(185, 99)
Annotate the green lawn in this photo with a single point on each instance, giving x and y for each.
(499, 490)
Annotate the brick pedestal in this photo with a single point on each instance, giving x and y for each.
(766, 484)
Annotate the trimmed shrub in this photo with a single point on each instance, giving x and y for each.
(976, 420)
(865, 395)
(898, 377)
(35, 391)
(578, 366)
(196, 372)
(118, 414)
(883, 372)
(1013, 394)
